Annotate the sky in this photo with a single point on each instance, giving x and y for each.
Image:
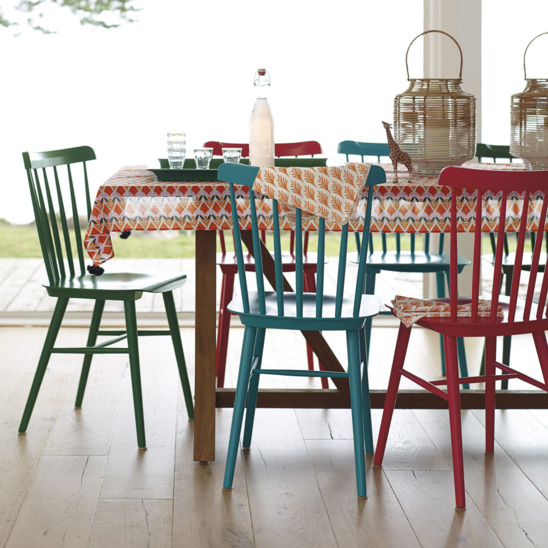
(188, 66)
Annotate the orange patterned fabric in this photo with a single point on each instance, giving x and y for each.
(134, 199)
(410, 310)
(331, 193)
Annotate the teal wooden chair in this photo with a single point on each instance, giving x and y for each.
(58, 182)
(417, 258)
(322, 310)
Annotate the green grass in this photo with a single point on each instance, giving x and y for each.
(22, 241)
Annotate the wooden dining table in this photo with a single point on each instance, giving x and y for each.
(133, 199)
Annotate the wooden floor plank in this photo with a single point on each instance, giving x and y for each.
(294, 487)
(133, 524)
(70, 485)
(509, 501)
(377, 521)
(206, 514)
(287, 508)
(132, 473)
(428, 500)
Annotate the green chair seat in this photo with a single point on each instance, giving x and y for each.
(116, 285)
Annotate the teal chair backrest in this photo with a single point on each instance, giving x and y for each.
(57, 179)
(364, 149)
(239, 175)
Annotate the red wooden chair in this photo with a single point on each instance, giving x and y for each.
(229, 267)
(524, 309)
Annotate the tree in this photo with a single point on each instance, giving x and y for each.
(38, 14)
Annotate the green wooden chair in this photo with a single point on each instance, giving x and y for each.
(58, 180)
(322, 310)
(418, 258)
(494, 152)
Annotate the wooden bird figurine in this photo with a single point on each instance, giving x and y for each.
(397, 155)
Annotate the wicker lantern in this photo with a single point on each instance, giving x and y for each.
(529, 120)
(435, 121)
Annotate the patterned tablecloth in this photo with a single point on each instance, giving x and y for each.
(133, 199)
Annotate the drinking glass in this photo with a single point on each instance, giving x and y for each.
(232, 154)
(176, 149)
(202, 156)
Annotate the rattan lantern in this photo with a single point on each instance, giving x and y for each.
(529, 120)
(435, 121)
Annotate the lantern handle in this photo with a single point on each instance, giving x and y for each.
(525, 53)
(427, 32)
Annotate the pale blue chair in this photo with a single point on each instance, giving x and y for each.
(324, 310)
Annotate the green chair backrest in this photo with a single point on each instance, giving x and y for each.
(495, 152)
(242, 175)
(55, 180)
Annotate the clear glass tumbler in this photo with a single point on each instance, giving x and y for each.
(176, 149)
(202, 156)
(232, 154)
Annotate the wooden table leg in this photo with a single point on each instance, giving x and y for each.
(204, 391)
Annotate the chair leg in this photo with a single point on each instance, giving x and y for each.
(227, 290)
(354, 365)
(173, 323)
(440, 291)
(506, 348)
(490, 357)
(133, 345)
(392, 391)
(92, 339)
(366, 397)
(460, 341)
(542, 351)
(370, 278)
(507, 340)
(53, 331)
(253, 391)
(453, 393)
(239, 405)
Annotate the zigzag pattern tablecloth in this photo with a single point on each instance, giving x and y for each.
(133, 199)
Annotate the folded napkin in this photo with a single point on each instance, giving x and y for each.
(410, 310)
(330, 192)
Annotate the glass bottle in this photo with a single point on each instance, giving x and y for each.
(261, 138)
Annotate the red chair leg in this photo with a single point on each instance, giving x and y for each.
(542, 351)
(453, 393)
(490, 356)
(227, 289)
(392, 392)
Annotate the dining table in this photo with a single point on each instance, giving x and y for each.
(134, 199)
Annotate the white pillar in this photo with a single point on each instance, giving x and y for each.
(462, 20)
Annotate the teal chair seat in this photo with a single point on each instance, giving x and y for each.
(58, 183)
(341, 307)
(307, 321)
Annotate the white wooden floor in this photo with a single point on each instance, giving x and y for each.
(77, 479)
